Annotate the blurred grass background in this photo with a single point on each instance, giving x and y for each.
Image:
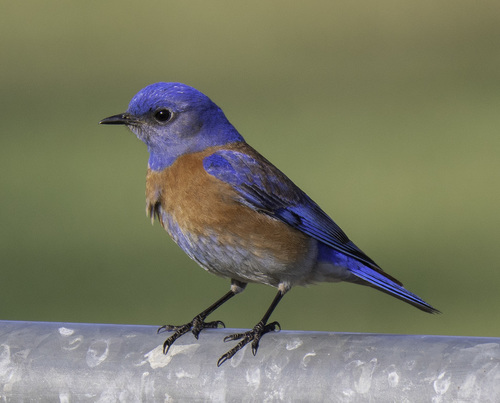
(386, 113)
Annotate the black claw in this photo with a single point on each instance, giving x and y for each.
(179, 331)
(164, 328)
(166, 346)
(255, 346)
(195, 326)
(253, 336)
(222, 360)
(272, 327)
(232, 352)
(213, 325)
(198, 323)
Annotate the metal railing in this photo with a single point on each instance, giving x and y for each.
(74, 362)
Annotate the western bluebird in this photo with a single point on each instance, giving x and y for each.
(234, 212)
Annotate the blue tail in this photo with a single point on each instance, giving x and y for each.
(382, 282)
(372, 275)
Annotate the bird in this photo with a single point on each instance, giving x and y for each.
(234, 213)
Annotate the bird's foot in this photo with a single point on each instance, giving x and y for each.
(253, 336)
(195, 326)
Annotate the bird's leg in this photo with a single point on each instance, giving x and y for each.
(255, 334)
(198, 323)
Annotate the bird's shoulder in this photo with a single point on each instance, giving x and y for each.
(186, 186)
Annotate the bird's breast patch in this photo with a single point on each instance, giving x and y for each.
(201, 205)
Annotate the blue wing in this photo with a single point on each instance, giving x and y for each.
(264, 188)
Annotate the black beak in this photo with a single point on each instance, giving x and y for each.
(121, 119)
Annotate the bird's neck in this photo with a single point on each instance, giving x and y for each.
(161, 157)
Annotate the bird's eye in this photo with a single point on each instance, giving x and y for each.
(163, 115)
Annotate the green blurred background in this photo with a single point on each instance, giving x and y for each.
(386, 113)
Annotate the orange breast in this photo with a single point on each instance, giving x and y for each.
(204, 207)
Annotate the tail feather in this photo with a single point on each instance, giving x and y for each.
(376, 278)
(366, 272)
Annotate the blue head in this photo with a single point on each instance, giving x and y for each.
(174, 119)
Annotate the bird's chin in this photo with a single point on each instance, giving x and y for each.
(141, 134)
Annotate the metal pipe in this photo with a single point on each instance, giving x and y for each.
(73, 362)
